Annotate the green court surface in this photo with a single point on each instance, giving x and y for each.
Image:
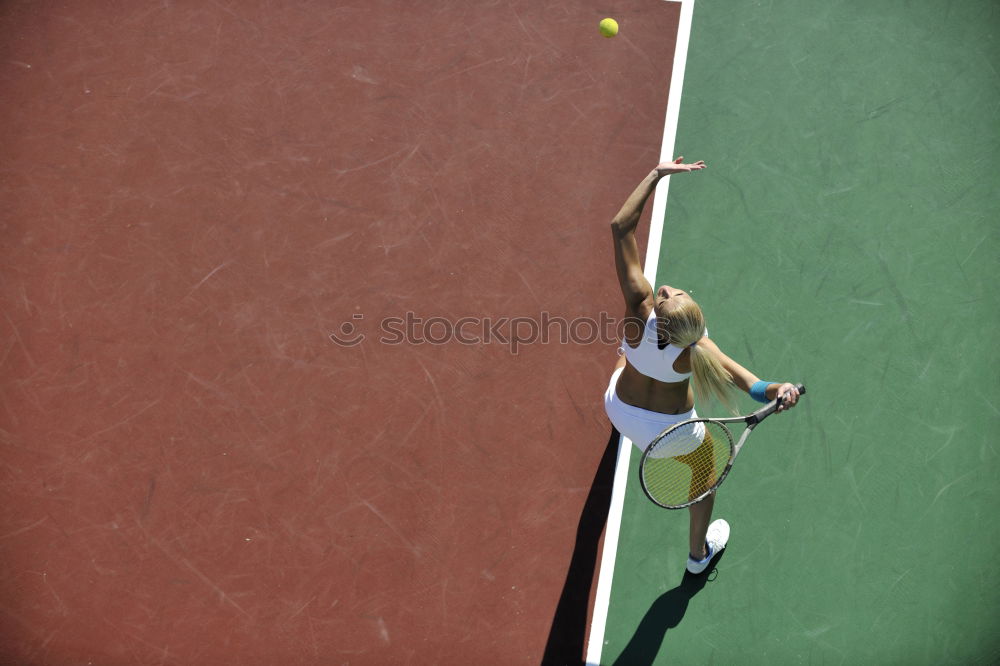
(845, 235)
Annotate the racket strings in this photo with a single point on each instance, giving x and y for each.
(686, 462)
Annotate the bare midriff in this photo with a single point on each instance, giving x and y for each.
(638, 390)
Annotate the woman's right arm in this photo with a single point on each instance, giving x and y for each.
(744, 379)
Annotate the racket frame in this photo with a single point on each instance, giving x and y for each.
(750, 420)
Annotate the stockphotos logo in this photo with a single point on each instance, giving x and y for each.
(512, 332)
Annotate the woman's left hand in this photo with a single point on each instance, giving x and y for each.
(677, 166)
(789, 395)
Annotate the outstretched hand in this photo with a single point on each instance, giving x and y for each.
(670, 168)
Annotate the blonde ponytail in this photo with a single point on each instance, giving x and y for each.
(711, 380)
(685, 326)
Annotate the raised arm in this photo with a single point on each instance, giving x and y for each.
(635, 286)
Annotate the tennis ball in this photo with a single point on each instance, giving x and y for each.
(609, 27)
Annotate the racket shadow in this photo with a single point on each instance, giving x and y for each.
(665, 614)
(568, 634)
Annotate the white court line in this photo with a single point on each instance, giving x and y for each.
(602, 600)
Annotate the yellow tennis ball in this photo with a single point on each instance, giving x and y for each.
(609, 27)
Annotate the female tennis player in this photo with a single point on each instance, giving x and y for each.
(665, 342)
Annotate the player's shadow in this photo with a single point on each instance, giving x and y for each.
(665, 613)
(568, 633)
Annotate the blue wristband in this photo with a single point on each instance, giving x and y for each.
(758, 391)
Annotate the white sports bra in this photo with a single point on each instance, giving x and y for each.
(652, 361)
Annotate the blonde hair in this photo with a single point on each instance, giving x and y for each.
(684, 325)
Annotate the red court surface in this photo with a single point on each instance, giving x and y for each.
(195, 196)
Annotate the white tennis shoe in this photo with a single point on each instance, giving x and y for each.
(716, 539)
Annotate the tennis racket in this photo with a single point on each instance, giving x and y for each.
(689, 460)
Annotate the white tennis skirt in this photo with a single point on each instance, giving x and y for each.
(640, 425)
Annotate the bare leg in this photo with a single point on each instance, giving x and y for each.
(701, 513)
(701, 516)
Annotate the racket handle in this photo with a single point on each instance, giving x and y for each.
(770, 408)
